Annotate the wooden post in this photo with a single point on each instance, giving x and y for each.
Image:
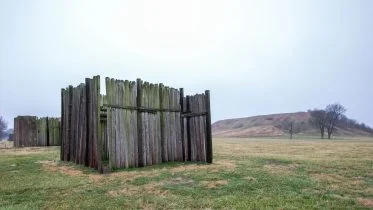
(208, 128)
(182, 122)
(188, 130)
(139, 124)
(62, 125)
(163, 148)
(47, 143)
(97, 126)
(69, 133)
(88, 121)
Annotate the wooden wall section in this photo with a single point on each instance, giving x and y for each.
(30, 131)
(135, 124)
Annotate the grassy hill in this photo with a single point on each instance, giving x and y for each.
(270, 126)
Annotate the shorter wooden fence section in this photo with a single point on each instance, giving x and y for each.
(30, 131)
(135, 124)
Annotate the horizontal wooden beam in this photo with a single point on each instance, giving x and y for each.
(187, 115)
(140, 109)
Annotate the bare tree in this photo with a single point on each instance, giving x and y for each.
(334, 113)
(291, 127)
(3, 127)
(319, 119)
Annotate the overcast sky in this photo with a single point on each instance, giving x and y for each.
(256, 56)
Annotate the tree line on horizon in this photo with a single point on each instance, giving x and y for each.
(326, 121)
(3, 127)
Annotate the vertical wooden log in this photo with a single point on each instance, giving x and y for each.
(116, 125)
(109, 123)
(182, 123)
(134, 134)
(192, 129)
(174, 124)
(65, 125)
(203, 126)
(119, 137)
(188, 140)
(209, 154)
(127, 120)
(146, 124)
(89, 135)
(201, 129)
(15, 135)
(157, 135)
(172, 138)
(69, 124)
(168, 124)
(17, 131)
(59, 132)
(47, 137)
(121, 123)
(113, 137)
(46, 132)
(83, 126)
(33, 131)
(159, 127)
(139, 124)
(179, 143)
(163, 123)
(96, 120)
(155, 125)
(150, 125)
(91, 128)
(62, 124)
(75, 125)
(198, 126)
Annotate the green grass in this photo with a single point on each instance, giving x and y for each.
(246, 174)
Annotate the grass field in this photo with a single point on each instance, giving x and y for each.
(246, 174)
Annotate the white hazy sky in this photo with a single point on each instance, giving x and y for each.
(256, 56)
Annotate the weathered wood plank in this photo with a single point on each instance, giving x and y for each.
(62, 136)
(163, 123)
(96, 120)
(182, 124)
(209, 154)
(134, 138)
(140, 124)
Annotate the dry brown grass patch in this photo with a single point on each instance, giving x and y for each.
(70, 171)
(49, 165)
(330, 178)
(179, 180)
(214, 184)
(25, 151)
(53, 166)
(366, 202)
(281, 169)
(131, 175)
(250, 178)
(147, 189)
(215, 167)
